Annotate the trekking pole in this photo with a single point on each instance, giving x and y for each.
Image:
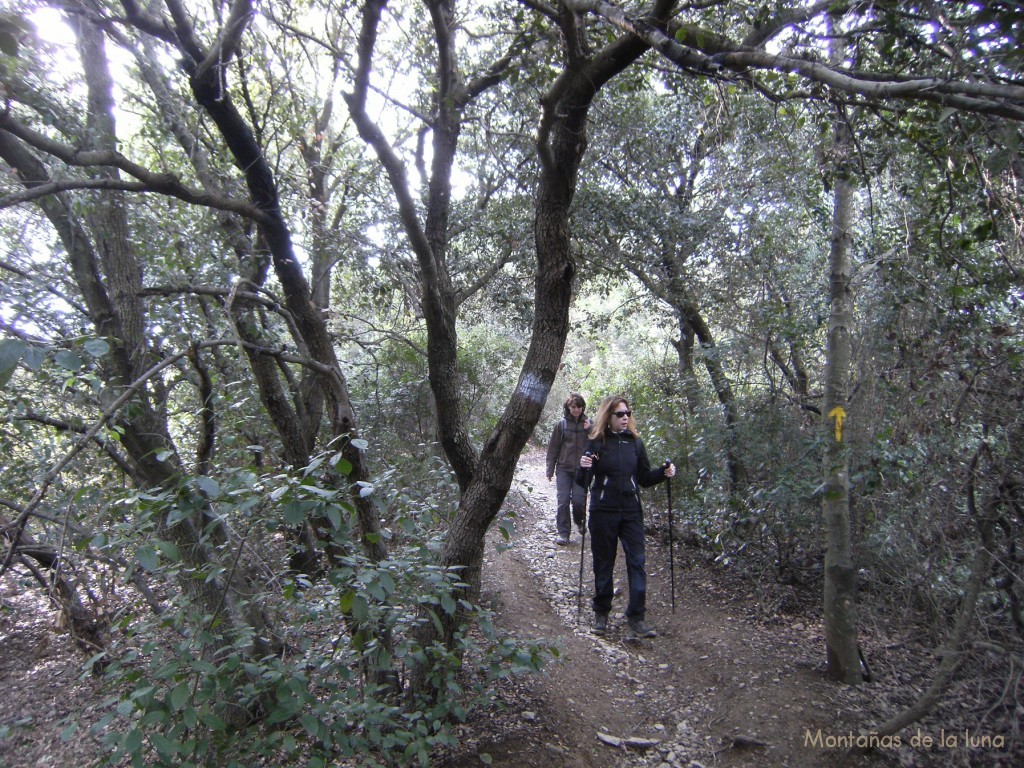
(671, 540)
(583, 542)
(579, 588)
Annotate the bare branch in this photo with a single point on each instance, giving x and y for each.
(48, 287)
(161, 183)
(788, 17)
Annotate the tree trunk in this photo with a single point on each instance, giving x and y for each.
(562, 141)
(684, 351)
(840, 574)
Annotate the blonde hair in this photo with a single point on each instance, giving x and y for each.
(604, 414)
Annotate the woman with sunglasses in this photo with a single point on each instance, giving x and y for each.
(614, 467)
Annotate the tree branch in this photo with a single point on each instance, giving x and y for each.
(160, 183)
(67, 426)
(229, 39)
(708, 52)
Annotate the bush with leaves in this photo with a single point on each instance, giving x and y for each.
(181, 699)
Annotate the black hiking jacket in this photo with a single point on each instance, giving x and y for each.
(620, 470)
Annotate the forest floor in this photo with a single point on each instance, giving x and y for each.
(734, 678)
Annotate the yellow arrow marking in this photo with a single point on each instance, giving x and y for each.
(839, 415)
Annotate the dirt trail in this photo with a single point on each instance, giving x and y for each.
(714, 688)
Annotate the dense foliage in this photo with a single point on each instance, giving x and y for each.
(286, 290)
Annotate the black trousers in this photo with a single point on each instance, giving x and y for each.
(607, 529)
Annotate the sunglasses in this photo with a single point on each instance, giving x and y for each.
(620, 414)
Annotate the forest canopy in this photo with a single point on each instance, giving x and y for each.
(287, 288)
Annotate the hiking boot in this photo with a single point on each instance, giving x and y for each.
(639, 628)
(600, 623)
(562, 540)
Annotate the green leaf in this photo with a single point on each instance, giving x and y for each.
(168, 549)
(68, 360)
(311, 723)
(213, 722)
(176, 515)
(180, 696)
(448, 604)
(147, 557)
(314, 465)
(286, 711)
(321, 492)
(34, 357)
(294, 512)
(132, 740)
(334, 515)
(345, 601)
(11, 351)
(208, 485)
(164, 746)
(97, 347)
(360, 608)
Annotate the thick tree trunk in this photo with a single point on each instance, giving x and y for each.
(562, 141)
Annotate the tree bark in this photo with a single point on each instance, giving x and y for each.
(840, 610)
(684, 347)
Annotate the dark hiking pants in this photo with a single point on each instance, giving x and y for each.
(606, 530)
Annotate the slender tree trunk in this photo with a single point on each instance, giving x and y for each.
(840, 573)
(723, 389)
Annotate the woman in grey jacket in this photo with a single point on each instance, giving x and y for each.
(615, 466)
(568, 441)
